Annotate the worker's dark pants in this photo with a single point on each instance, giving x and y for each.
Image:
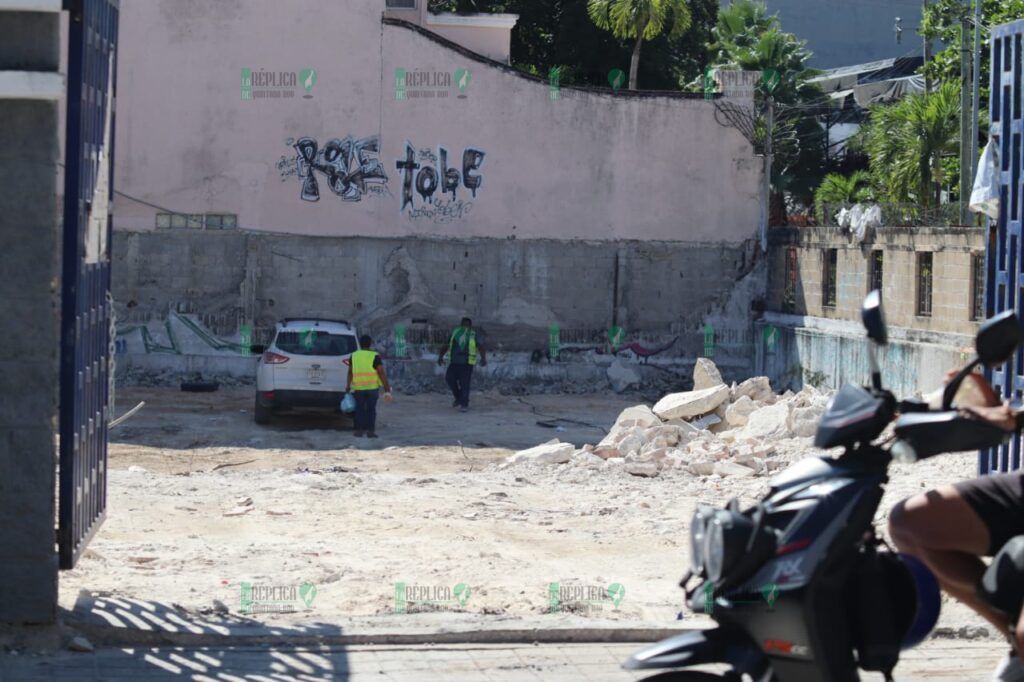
(458, 378)
(366, 410)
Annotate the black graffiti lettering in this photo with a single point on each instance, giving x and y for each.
(472, 159)
(407, 167)
(426, 183)
(305, 148)
(449, 176)
(348, 164)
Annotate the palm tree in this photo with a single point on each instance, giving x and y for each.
(907, 141)
(640, 20)
(841, 189)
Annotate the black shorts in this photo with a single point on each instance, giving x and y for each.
(998, 499)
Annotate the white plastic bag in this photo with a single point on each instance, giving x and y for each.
(985, 195)
(348, 403)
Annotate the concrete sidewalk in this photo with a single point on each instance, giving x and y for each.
(938, 660)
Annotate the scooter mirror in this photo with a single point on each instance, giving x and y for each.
(874, 318)
(998, 339)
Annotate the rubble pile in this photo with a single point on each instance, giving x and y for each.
(715, 429)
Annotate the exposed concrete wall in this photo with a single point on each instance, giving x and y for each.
(29, 299)
(517, 289)
(830, 353)
(593, 166)
(952, 288)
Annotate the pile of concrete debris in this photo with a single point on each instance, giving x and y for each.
(715, 429)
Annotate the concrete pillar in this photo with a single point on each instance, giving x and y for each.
(30, 247)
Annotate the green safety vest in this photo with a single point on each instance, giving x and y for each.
(364, 376)
(462, 337)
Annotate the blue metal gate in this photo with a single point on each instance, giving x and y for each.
(1004, 261)
(85, 299)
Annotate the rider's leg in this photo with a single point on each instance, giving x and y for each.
(941, 529)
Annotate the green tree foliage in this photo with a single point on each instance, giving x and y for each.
(906, 143)
(747, 38)
(844, 189)
(640, 20)
(559, 33)
(941, 22)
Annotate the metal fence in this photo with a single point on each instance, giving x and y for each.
(893, 215)
(86, 309)
(1003, 260)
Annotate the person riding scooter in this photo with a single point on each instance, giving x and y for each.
(951, 527)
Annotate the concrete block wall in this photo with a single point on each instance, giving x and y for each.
(30, 248)
(952, 249)
(514, 288)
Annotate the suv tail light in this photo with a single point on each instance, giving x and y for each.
(272, 358)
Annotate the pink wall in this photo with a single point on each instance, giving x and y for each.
(584, 166)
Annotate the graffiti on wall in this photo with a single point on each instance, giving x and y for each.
(430, 175)
(350, 167)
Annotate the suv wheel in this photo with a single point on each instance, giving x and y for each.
(261, 414)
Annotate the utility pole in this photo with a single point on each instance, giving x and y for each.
(927, 54)
(768, 169)
(976, 105)
(965, 117)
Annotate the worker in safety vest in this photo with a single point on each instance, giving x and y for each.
(365, 377)
(464, 349)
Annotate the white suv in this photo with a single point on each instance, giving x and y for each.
(305, 366)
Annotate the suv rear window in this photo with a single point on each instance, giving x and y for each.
(315, 342)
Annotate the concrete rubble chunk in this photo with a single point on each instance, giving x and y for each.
(737, 413)
(705, 374)
(645, 468)
(755, 463)
(707, 421)
(755, 388)
(638, 415)
(726, 469)
(607, 451)
(691, 403)
(768, 423)
(803, 421)
(622, 377)
(583, 458)
(552, 452)
(630, 445)
(669, 434)
(701, 467)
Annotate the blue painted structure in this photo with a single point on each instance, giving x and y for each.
(85, 299)
(1004, 262)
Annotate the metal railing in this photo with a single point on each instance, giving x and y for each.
(897, 215)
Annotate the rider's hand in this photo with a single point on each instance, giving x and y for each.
(388, 397)
(1000, 415)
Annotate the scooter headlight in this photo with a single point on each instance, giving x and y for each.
(698, 532)
(727, 536)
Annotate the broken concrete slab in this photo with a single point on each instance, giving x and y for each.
(705, 375)
(756, 388)
(768, 423)
(803, 421)
(725, 469)
(638, 415)
(552, 452)
(737, 413)
(701, 467)
(691, 403)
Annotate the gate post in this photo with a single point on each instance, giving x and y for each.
(1004, 249)
(31, 92)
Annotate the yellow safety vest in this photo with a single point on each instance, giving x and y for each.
(472, 345)
(364, 376)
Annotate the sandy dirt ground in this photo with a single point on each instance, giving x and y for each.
(202, 500)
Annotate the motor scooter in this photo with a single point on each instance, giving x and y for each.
(800, 585)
